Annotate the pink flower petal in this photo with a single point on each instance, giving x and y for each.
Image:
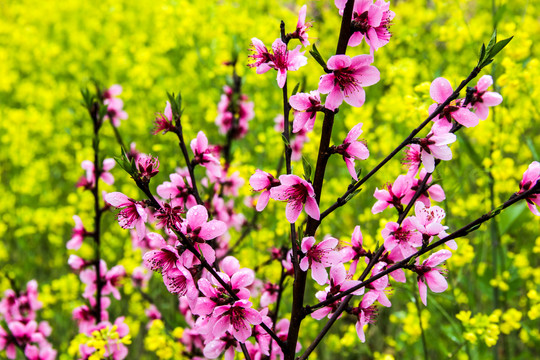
(440, 90)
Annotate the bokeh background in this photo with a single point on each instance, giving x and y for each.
(50, 49)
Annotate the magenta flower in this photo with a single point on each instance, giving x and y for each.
(370, 22)
(162, 260)
(352, 149)
(306, 107)
(441, 90)
(428, 219)
(347, 80)
(89, 180)
(78, 234)
(429, 273)
(260, 56)
(393, 196)
(531, 176)
(377, 289)
(296, 192)
(115, 105)
(133, 214)
(198, 228)
(435, 146)
(413, 159)
(263, 181)
(354, 252)
(225, 118)
(178, 280)
(147, 166)
(320, 256)
(302, 27)
(236, 319)
(204, 156)
(482, 99)
(284, 60)
(164, 121)
(44, 353)
(366, 315)
(404, 238)
(339, 281)
(177, 188)
(435, 191)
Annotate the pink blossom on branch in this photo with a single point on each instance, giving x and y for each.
(429, 273)
(296, 192)
(393, 196)
(306, 107)
(370, 22)
(441, 90)
(263, 181)
(282, 60)
(203, 155)
(352, 149)
(133, 213)
(77, 237)
(320, 256)
(347, 80)
(531, 176)
(89, 180)
(164, 121)
(302, 27)
(483, 99)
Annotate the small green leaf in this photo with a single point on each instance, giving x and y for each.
(307, 169)
(499, 46)
(318, 57)
(353, 194)
(295, 90)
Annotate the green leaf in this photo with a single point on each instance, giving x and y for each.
(295, 90)
(492, 41)
(498, 47)
(353, 194)
(318, 57)
(307, 169)
(531, 146)
(510, 217)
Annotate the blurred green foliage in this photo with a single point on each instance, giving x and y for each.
(50, 49)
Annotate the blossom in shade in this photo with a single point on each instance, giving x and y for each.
(370, 22)
(43, 353)
(114, 105)
(352, 149)
(133, 213)
(320, 256)
(306, 107)
(393, 195)
(296, 192)
(163, 122)
(404, 237)
(483, 99)
(236, 319)
(531, 176)
(262, 181)
(78, 234)
(347, 79)
(429, 273)
(441, 90)
(203, 155)
(89, 180)
(234, 113)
